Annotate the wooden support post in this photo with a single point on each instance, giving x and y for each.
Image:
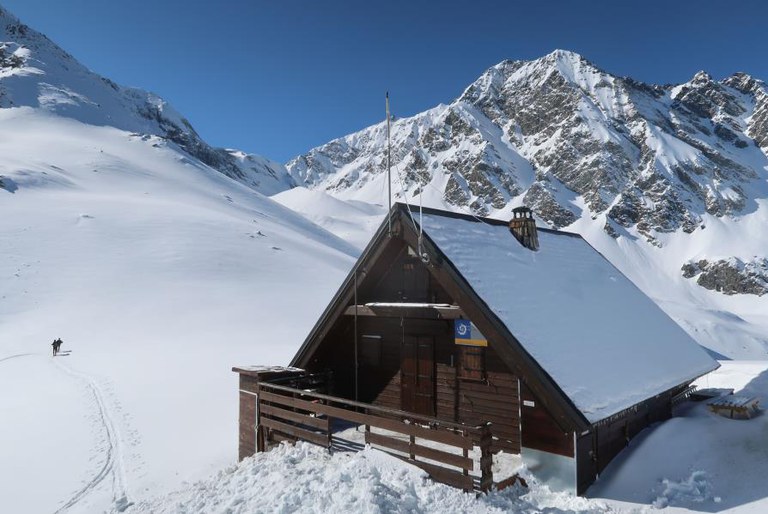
(261, 442)
(486, 458)
(251, 438)
(465, 453)
(247, 426)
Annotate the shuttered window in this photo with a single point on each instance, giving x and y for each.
(471, 362)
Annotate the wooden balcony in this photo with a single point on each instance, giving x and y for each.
(294, 408)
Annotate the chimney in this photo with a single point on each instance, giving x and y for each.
(523, 227)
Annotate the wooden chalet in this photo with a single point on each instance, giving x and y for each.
(478, 333)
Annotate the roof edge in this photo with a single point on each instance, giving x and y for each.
(381, 233)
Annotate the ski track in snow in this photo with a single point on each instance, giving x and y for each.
(113, 466)
(17, 355)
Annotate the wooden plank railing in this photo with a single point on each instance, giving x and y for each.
(297, 414)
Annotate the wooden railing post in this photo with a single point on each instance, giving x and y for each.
(465, 453)
(486, 458)
(261, 443)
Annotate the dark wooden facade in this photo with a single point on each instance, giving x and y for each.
(407, 359)
(412, 363)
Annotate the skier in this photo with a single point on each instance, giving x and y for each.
(55, 345)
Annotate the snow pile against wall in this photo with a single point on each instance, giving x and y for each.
(306, 478)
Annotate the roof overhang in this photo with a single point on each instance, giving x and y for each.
(406, 310)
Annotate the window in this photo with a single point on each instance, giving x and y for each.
(471, 362)
(370, 350)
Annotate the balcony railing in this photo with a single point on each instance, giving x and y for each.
(448, 452)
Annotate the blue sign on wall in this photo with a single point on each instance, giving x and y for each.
(466, 333)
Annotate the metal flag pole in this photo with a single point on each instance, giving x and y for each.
(389, 171)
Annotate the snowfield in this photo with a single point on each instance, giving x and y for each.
(159, 274)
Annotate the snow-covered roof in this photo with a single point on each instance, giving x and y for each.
(605, 343)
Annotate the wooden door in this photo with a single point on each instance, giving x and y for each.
(417, 375)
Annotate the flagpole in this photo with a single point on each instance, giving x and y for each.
(389, 171)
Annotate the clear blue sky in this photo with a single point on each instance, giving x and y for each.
(279, 77)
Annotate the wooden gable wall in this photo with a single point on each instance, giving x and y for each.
(404, 278)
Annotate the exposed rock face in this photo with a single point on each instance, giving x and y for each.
(730, 276)
(36, 73)
(557, 133)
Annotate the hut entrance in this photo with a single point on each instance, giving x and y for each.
(417, 378)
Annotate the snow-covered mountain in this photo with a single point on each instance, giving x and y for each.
(35, 72)
(157, 270)
(669, 182)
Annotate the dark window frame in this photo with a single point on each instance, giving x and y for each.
(370, 350)
(471, 363)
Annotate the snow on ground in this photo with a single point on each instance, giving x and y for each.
(159, 274)
(352, 221)
(696, 462)
(307, 478)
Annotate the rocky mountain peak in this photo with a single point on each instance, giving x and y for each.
(701, 78)
(571, 141)
(745, 83)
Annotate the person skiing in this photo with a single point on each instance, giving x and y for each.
(56, 345)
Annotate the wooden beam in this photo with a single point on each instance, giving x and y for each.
(407, 311)
(304, 419)
(446, 476)
(444, 457)
(300, 433)
(437, 435)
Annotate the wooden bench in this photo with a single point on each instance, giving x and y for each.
(728, 406)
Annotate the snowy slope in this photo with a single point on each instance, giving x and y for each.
(352, 221)
(669, 182)
(35, 72)
(159, 273)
